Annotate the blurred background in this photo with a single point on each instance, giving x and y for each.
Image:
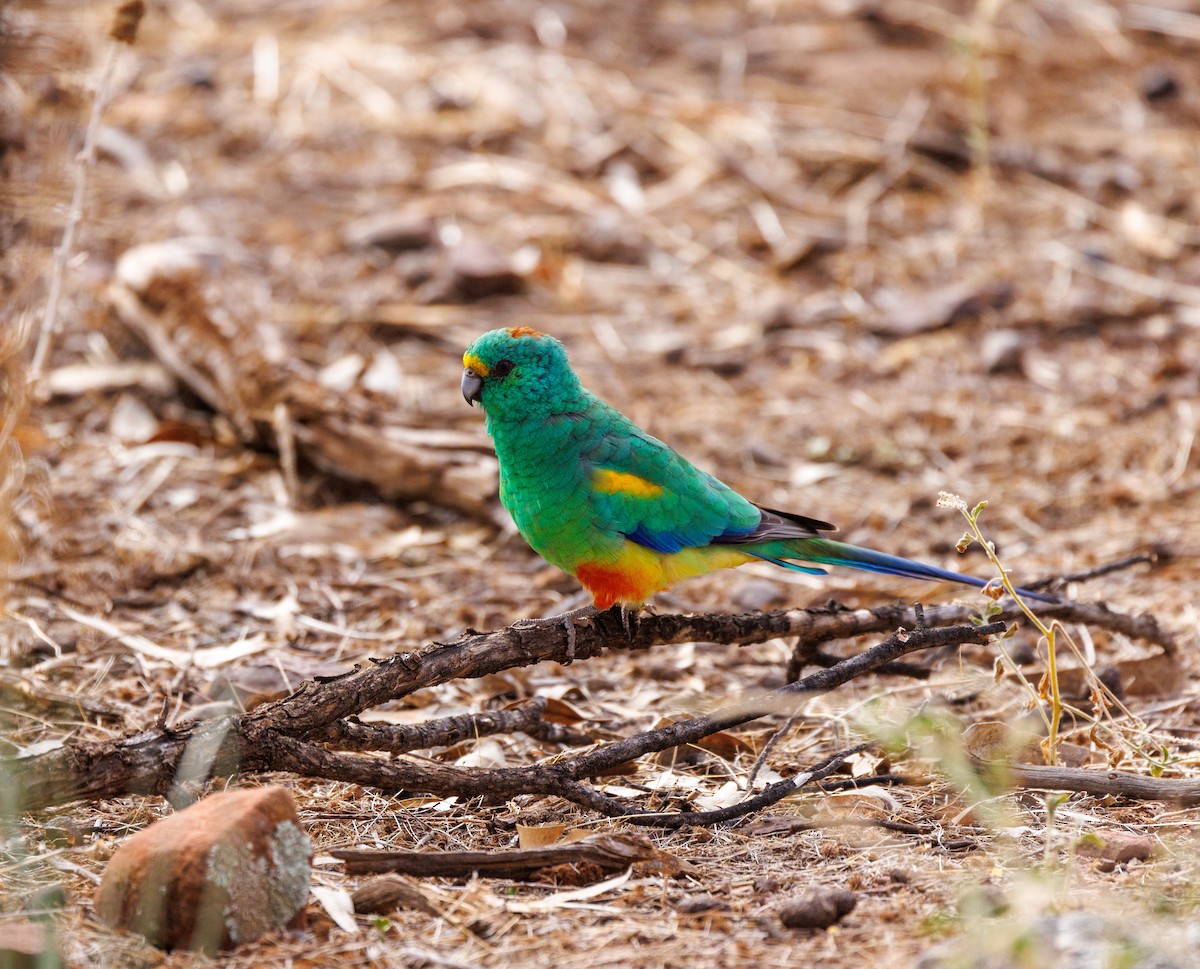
(843, 254)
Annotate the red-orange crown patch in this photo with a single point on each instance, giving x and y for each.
(519, 331)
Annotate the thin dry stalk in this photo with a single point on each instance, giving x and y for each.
(84, 162)
(14, 403)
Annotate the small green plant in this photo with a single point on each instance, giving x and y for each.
(973, 535)
(1053, 802)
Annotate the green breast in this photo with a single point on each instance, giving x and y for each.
(544, 484)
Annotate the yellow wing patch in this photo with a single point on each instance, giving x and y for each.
(613, 482)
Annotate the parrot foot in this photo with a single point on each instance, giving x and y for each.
(566, 620)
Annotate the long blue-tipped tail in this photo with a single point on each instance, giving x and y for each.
(823, 551)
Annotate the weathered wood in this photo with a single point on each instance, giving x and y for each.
(607, 851)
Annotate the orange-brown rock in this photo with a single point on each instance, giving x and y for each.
(219, 873)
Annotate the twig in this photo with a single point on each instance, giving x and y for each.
(581, 794)
(770, 745)
(1059, 581)
(859, 622)
(62, 255)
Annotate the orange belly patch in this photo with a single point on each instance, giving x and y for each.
(637, 572)
(609, 585)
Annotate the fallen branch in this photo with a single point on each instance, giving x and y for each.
(275, 736)
(1182, 791)
(289, 734)
(606, 851)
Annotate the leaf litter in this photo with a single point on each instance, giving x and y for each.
(764, 233)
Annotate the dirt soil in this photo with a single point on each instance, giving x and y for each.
(844, 254)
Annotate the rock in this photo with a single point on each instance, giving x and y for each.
(819, 909)
(28, 945)
(610, 237)
(1115, 846)
(221, 872)
(907, 312)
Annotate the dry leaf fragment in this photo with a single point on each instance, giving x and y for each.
(538, 835)
(338, 905)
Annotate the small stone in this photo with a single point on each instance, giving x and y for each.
(697, 904)
(28, 945)
(610, 237)
(819, 909)
(1116, 846)
(65, 834)
(219, 873)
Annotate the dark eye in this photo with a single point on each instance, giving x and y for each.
(502, 369)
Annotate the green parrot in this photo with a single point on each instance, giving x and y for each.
(622, 512)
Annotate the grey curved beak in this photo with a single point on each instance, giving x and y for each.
(472, 386)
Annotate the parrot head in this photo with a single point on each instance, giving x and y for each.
(515, 371)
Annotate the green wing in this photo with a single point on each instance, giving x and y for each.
(647, 492)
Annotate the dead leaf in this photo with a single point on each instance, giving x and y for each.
(538, 835)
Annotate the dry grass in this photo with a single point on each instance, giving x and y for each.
(758, 232)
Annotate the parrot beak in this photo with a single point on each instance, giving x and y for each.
(472, 386)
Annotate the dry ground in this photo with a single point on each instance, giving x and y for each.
(844, 254)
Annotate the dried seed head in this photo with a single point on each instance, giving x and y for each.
(947, 499)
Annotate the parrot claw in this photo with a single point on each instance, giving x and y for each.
(629, 619)
(566, 621)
